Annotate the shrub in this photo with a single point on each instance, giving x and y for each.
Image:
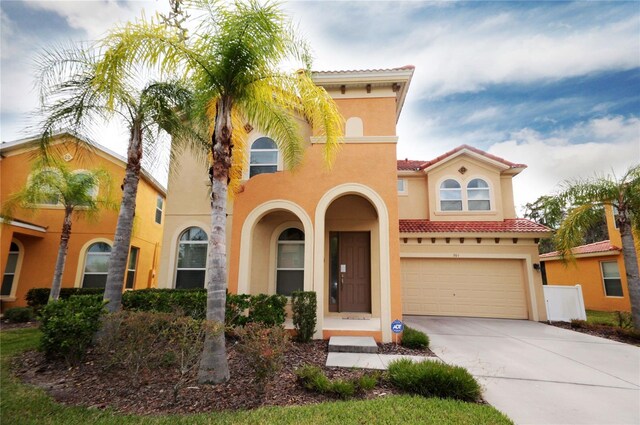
(19, 314)
(314, 379)
(267, 309)
(264, 348)
(624, 319)
(412, 338)
(235, 311)
(434, 379)
(303, 305)
(68, 327)
(39, 297)
(190, 302)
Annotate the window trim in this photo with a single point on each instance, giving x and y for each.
(405, 186)
(135, 267)
(189, 242)
(604, 287)
(160, 209)
(440, 200)
(464, 197)
(278, 243)
(276, 150)
(86, 254)
(16, 273)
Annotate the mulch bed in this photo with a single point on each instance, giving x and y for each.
(603, 331)
(88, 384)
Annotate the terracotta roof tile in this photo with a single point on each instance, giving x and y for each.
(475, 150)
(409, 164)
(401, 68)
(518, 225)
(602, 246)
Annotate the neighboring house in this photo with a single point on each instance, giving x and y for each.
(598, 268)
(29, 243)
(376, 238)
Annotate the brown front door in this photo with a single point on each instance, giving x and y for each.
(355, 272)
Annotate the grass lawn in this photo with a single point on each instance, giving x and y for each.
(23, 404)
(609, 318)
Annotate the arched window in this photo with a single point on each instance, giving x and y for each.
(450, 196)
(478, 195)
(95, 265)
(264, 157)
(290, 263)
(83, 174)
(192, 258)
(10, 269)
(51, 195)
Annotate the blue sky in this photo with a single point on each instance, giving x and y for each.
(555, 85)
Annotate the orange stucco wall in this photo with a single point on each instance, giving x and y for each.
(40, 249)
(587, 272)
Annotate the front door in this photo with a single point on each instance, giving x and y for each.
(354, 272)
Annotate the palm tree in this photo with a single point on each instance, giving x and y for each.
(73, 97)
(75, 191)
(232, 59)
(589, 195)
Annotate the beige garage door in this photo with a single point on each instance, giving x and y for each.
(463, 287)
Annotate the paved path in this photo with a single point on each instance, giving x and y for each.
(540, 374)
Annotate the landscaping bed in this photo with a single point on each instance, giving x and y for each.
(89, 384)
(603, 331)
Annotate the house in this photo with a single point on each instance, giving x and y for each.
(374, 237)
(598, 268)
(29, 243)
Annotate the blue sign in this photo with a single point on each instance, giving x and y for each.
(397, 326)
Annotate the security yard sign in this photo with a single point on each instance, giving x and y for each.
(397, 326)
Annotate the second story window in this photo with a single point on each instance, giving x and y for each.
(264, 157)
(159, 205)
(478, 195)
(450, 196)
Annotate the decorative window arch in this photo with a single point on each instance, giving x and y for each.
(11, 270)
(290, 262)
(450, 195)
(478, 195)
(263, 157)
(192, 258)
(96, 264)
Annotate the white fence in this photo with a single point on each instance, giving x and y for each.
(564, 303)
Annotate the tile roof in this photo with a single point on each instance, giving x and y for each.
(475, 150)
(409, 164)
(517, 225)
(602, 246)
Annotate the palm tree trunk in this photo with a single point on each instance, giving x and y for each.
(630, 258)
(122, 238)
(213, 364)
(62, 255)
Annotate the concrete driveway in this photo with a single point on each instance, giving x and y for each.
(540, 374)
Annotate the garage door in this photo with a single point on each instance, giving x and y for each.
(463, 287)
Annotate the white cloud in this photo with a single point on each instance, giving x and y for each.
(613, 146)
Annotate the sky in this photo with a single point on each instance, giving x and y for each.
(554, 85)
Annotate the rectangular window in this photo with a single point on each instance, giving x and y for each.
(402, 186)
(159, 204)
(131, 268)
(611, 279)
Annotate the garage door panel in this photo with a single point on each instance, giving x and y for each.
(464, 287)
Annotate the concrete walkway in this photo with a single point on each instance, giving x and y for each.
(540, 374)
(362, 352)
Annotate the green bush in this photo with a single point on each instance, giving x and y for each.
(68, 327)
(39, 297)
(189, 302)
(19, 314)
(303, 306)
(314, 379)
(434, 379)
(267, 309)
(236, 309)
(412, 338)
